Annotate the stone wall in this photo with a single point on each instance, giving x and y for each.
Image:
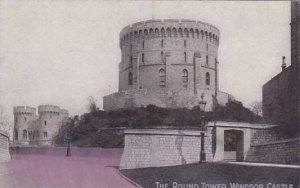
(162, 147)
(263, 135)
(283, 152)
(4, 147)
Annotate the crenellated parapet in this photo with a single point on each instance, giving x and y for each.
(169, 28)
(48, 108)
(24, 110)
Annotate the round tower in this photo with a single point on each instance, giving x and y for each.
(24, 118)
(48, 123)
(168, 63)
(170, 54)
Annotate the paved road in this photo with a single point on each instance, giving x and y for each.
(46, 171)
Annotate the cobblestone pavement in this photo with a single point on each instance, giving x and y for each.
(46, 171)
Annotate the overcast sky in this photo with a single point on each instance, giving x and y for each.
(62, 51)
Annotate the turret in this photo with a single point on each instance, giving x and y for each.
(24, 119)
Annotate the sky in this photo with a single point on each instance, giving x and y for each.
(63, 51)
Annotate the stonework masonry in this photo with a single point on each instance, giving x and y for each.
(284, 151)
(168, 147)
(156, 147)
(30, 129)
(4, 147)
(167, 63)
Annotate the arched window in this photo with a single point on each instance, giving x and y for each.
(45, 122)
(197, 33)
(174, 32)
(186, 32)
(184, 43)
(192, 33)
(185, 57)
(143, 58)
(162, 56)
(143, 45)
(162, 77)
(130, 78)
(180, 33)
(156, 32)
(206, 60)
(163, 33)
(185, 77)
(25, 134)
(16, 134)
(45, 134)
(207, 79)
(130, 60)
(162, 43)
(168, 32)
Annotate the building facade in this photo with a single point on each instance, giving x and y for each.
(281, 95)
(32, 129)
(167, 63)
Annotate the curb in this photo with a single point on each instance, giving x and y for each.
(127, 179)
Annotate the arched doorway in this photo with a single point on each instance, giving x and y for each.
(233, 145)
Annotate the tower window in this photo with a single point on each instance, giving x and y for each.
(143, 58)
(184, 42)
(185, 77)
(185, 57)
(130, 61)
(206, 47)
(207, 79)
(25, 134)
(130, 78)
(162, 78)
(206, 60)
(162, 56)
(45, 122)
(143, 45)
(45, 134)
(16, 134)
(162, 43)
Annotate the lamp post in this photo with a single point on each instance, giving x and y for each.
(68, 139)
(202, 105)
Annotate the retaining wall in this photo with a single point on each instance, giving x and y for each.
(158, 147)
(4, 147)
(281, 152)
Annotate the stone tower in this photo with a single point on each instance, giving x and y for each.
(168, 63)
(24, 118)
(49, 121)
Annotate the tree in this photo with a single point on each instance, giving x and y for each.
(256, 107)
(5, 124)
(92, 104)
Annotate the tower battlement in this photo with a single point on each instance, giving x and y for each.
(170, 27)
(48, 108)
(24, 110)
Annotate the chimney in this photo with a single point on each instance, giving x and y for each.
(283, 66)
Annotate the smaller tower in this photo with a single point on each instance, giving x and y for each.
(49, 120)
(24, 118)
(283, 65)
